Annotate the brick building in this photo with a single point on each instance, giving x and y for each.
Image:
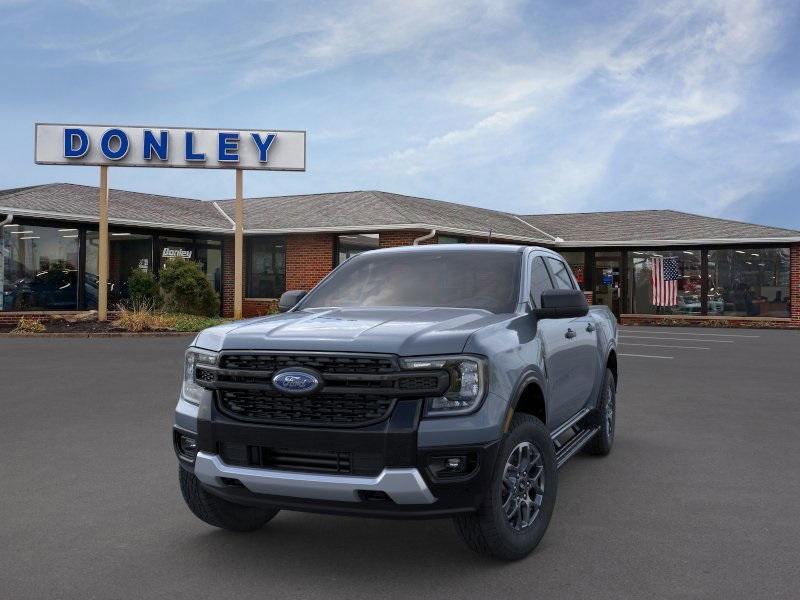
(728, 272)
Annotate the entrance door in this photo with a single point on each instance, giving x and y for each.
(608, 280)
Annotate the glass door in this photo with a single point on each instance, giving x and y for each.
(608, 279)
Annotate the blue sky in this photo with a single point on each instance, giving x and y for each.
(521, 106)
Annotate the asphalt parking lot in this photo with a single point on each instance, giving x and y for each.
(698, 500)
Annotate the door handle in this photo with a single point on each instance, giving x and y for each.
(590, 327)
(570, 334)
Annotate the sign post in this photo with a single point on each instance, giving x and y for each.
(175, 147)
(103, 253)
(238, 244)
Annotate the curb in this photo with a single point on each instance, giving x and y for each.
(99, 334)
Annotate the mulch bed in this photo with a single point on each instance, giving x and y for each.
(85, 328)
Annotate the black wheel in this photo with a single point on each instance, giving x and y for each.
(218, 512)
(516, 510)
(601, 443)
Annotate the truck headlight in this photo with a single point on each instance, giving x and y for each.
(192, 392)
(468, 376)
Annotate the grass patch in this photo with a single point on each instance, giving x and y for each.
(143, 317)
(188, 323)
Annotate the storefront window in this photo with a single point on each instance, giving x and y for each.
(266, 267)
(209, 255)
(449, 239)
(176, 247)
(39, 268)
(747, 282)
(576, 262)
(350, 245)
(665, 282)
(128, 252)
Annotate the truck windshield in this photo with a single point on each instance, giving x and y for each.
(462, 279)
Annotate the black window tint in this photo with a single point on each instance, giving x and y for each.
(540, 280)
(560, 273)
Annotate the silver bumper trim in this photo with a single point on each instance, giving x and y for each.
(404, 486)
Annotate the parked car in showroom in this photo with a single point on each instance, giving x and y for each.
(427, 381)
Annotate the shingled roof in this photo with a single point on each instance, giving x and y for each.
(356, 211)
(637, 226)
(363, 211)
(79, 203)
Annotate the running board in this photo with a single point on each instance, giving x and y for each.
(571, 423)
(565, 452)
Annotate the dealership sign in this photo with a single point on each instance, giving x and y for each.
(193, 148)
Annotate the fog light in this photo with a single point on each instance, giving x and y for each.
(460, 465)
(187, 446)
(455, 463)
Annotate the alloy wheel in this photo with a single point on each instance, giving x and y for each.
(522, 486)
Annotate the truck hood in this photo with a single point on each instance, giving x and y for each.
(402, 331)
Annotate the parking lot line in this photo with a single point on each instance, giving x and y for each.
(646, 356)
(736, 335)
(653, 337)
(665, 346)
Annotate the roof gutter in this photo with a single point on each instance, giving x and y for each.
(224, 214)
(425, 238)
(685, 242)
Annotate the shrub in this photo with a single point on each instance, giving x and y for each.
(143, 289)
(141, 317)
(186, 289)
(26, 325)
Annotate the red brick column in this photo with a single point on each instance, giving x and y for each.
(392, 239)
(309, 257)
(226, 302)
(794, 283)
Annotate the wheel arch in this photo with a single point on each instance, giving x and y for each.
(611, 363)
(529, 399)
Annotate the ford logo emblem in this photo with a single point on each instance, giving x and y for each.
(295, 381)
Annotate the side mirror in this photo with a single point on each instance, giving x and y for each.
(562, 304)
(290, 299)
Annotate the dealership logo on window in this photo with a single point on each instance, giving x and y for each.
(176, 253)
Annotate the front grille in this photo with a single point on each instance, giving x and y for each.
(341, 410)
(356, 390)
(287, 459)
(367, 365)
(418, 383)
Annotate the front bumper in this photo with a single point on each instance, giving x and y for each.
(392, 476)
(401, 486)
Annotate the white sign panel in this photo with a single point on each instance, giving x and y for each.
(123, 146)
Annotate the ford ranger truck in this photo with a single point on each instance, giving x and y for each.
(425, 381)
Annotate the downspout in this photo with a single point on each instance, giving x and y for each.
(7, 220)
(425, 237)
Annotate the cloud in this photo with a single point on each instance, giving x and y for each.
(465, 146)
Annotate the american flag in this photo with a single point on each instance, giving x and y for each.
(664, 279)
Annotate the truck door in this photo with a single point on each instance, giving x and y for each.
(581, 355)
(556, 348)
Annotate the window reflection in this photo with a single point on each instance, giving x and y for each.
(266, 267)
(39, 268)
(747, 282)
(128, 251)
(666, 282)
(350, 245)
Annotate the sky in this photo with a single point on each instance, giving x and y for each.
(528, 107)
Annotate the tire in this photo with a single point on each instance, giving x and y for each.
(218, 512)
(601, 443)
(490, 531)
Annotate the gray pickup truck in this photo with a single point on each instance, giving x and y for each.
(426, 381)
